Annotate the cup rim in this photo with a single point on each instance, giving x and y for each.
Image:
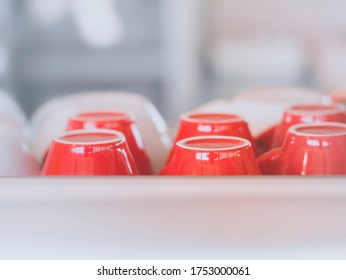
(181, 143)
(113, 116)
(231, 118)
(294, 129)
(119, 137)
(328, 109)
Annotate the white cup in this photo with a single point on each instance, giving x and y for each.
(263, 108)
(10, 110)
(16, 158)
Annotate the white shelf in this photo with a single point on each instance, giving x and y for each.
(186, 217)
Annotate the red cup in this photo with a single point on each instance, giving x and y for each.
(306, 114)
(309, 149)
(204, 124)
(90, 152)
(116, 121)
(212, 155)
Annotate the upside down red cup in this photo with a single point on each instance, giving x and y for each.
(89, 152)
(309, 149)
(221, 124)
(306, 114)
(212, 155)
(116, 121)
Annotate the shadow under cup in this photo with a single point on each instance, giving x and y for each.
(309, 149)
(212, 155)
(89, 152)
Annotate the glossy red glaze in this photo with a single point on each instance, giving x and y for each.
(306, 114)
(203, 124)
(116, 121)
(212, 155)
(94, 152)
(309, 149)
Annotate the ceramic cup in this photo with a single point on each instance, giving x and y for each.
(311, 113)
(212, 155)
(263, 107)
(90, 152)
(16, 157)
(116, 121)
(309, 149)
(10, 110)
(222, 124)
(50, 119)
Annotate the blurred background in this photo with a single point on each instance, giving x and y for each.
(178, 53)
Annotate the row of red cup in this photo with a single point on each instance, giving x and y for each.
(310, 140)
(147, 140)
